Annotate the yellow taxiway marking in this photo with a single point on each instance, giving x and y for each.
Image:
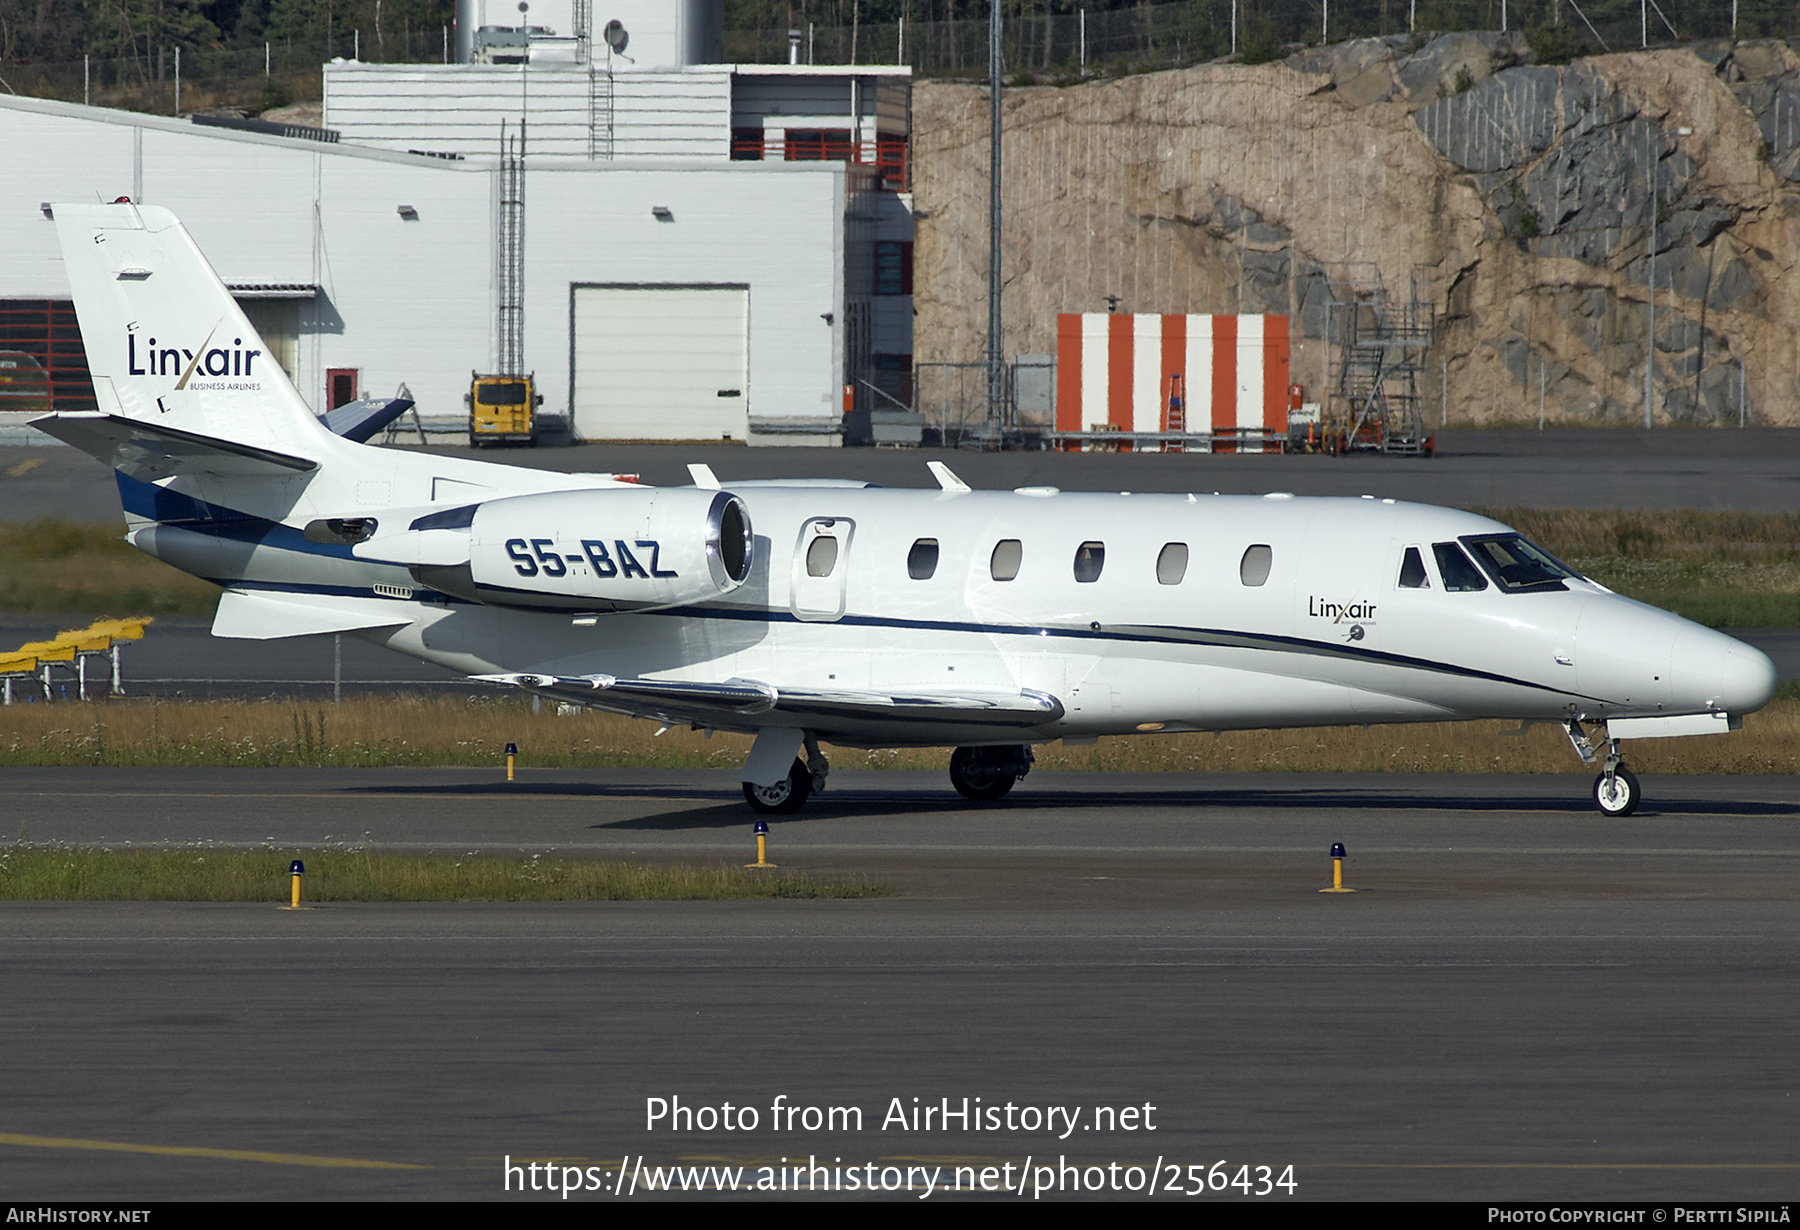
(230, 1155)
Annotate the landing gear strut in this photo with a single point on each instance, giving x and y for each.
(982, 774)
(805, 779)
(1616, 790)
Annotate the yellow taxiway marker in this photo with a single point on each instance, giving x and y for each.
(230, 1155)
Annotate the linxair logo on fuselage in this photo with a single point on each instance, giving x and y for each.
(154, 360)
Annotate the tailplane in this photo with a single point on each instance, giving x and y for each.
(169, 348)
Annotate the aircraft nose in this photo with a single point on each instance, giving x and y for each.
(1749, 681)
(1712, 671)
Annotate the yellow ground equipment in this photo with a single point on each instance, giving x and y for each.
(503, 409)
(100, 639)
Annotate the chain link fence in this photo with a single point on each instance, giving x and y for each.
(1053, 46)
(246, 78)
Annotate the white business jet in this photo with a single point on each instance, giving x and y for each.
(810, 612)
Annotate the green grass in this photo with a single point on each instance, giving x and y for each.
(60, 873)
(60, 566)
(1722, 569)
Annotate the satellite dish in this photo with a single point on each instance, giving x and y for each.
(615, 36)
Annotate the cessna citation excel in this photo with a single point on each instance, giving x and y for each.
(810, 612)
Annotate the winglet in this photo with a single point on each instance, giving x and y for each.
(703, 476)
(946, 480)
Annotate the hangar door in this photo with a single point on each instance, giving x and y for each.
(660, 362)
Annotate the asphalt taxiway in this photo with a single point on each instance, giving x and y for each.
(1522, 999)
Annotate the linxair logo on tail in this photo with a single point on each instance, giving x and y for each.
(154, 359)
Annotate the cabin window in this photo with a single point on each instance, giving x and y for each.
(1253, 569)
(821, 556)
(1171, 564)
(921, 561)
(1090, 558)
(1412, 571)
(1004, 565)
(1460, 576)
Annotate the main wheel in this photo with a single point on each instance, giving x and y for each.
(1620, 796)
(783, 798)
(975, 780)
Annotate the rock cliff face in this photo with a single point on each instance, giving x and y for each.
(1534, 207)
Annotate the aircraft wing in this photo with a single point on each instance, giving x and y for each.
(728, 704)
(150, 451)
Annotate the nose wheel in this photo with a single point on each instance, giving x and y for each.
(1617, 792)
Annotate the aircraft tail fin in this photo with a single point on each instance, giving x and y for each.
(166, 342)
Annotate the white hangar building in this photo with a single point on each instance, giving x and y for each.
(706, 250)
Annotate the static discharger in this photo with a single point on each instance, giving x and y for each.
(512, 754)
(762, 846)
(296, 869)
(1337, 870)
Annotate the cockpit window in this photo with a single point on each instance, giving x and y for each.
(1518, 566)
(1460, 576)
(1412, 571)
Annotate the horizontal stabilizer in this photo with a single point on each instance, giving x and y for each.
(737, 698)
(151, 451)
(251, 615)
(359, 420)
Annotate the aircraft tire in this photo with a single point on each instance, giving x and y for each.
(783, 798)
(1624, 796)
(975, 782)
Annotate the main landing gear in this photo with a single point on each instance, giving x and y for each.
(983, 774)
(805, 779)
(1616, 790)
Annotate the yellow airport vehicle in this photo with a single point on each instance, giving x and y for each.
(503, 409)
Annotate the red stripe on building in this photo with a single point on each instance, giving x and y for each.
(1118, 371)
(1224, 374)
(1068, 371)
(1174, 360)
(1275, 373)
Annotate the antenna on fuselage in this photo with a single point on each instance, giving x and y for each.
(947, 480)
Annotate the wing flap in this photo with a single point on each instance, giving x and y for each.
(690, 702)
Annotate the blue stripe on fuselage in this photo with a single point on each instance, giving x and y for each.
(172, 508)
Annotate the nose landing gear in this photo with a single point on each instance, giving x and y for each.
(1616, 790)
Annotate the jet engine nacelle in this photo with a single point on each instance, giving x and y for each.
(632, 549)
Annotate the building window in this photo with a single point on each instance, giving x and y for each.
(43, 365)
(819, 145)
(890, 161)
(746, 145)
(894, 267)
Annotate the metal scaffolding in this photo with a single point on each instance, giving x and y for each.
(1378, 344)
(511, 255)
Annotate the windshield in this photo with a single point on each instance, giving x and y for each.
(1517, 565)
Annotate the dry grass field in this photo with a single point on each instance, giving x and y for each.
(403, 730)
